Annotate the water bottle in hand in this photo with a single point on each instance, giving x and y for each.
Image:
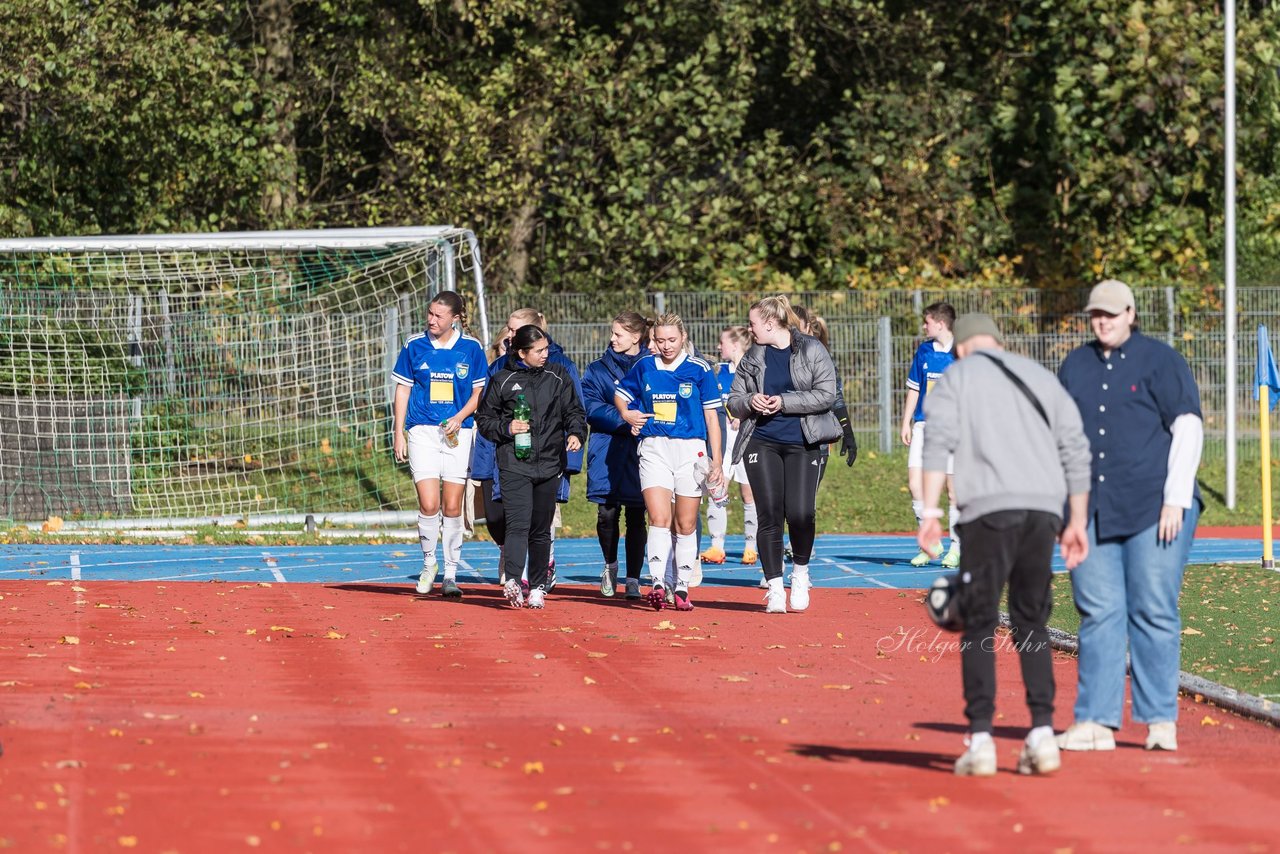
(524, 441)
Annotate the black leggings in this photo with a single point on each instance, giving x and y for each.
(608, 530)
(531, 504)
(495, 515)
(784, 480)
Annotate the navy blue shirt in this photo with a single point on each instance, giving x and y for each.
(781, 428)
(1127, 404)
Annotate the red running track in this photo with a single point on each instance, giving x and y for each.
(194, 717)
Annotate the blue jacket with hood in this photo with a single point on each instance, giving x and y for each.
(613, 462)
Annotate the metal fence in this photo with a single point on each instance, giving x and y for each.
(874, 335)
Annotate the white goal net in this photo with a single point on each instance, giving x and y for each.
(192, 376)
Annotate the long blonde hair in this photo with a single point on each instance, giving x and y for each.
(778, 309)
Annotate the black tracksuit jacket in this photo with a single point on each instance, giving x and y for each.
(556, 415)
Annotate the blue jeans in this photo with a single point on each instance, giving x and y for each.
(1127, 593)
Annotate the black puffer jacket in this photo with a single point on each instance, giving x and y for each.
(556, 415)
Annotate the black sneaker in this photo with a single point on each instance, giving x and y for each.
(450, 588)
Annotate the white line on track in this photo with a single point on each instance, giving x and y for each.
(74, 557)
(188, 576)
(471, 569)
(856, 573)
(271, 563)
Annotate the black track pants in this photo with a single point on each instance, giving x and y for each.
(530, 506)
(609, 531)
(495, 515)
(1014, 547)
(784, 480)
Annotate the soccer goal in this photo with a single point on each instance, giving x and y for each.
(175, 378)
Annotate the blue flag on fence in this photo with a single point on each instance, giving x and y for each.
(1265, 374)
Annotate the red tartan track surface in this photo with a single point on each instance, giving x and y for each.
(213, 717)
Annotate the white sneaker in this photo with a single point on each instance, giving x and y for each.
(1087, 735)
(1162, 735)
(695, 574)
(979, 760)
(514, 594)
(427, 578)
(608, 581)
(775, 599)
(800, 589)
(537, 598)
(764, 581)
(1039, 754)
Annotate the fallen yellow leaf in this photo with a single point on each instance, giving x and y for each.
(1191, 631)
(533, 767)
(332, 635)
(732, 678)
(281, 629)
(665, 626)
(1208, 721)
(587, 680)
(69, 639)
(838, 687)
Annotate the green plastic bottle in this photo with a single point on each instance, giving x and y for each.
(524, 441)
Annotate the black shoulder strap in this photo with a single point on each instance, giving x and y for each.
(1022, 386)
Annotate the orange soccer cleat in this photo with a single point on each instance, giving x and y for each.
(715, 554)
(749, 557)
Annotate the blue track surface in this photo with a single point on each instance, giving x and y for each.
(838, 561)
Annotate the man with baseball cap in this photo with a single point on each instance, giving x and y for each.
(1141, 411)
(1020, 454)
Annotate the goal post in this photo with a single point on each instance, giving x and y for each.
(154, 379)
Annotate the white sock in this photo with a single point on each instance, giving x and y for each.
(776, 583)
(429, 534)
(658, 549)
(976, 739)
(686, 553)
(799, 571)
(749, 522)
(551, 552)
(917, 507)
(451, 534)
(717, 524)
(953, 519)
(669, 574)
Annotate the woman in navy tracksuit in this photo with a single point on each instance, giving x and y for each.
(613, 464)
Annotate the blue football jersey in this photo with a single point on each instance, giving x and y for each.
(926, 369)
(676, 396)
(724, 376)
(442, 377)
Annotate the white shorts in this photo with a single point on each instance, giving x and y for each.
(915, 452)
(732, 473)
(431, 458)
(673, 464)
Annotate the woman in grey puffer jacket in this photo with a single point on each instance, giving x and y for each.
(783, 393)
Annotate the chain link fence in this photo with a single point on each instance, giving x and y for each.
(874, 335)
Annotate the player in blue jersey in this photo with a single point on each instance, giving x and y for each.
(734, 341)
(932, 357)
(440, 376)
(670, 400)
